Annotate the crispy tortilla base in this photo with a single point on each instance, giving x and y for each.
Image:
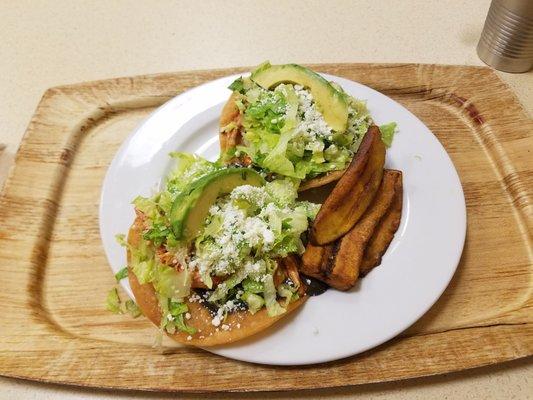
(241, 324)
(321, 180)
(232, 138)
(230, 113)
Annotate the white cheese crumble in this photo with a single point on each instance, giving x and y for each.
(243, 235)
(312, 124)
(253, 194)
(216, 320)
(222, 311)
(194, 298)
(239, 241)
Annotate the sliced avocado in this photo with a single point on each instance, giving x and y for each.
(191, 207)
(330, 101)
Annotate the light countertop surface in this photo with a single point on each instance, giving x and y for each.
(50, 43)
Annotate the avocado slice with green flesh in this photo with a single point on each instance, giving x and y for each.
(191, 207)
(330, 101)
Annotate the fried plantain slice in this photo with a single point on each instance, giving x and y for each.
(353, 193)
(313, 259)
(338, 264)
(384, 232)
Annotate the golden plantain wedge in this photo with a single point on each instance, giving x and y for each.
(384, 232)
(338, 264)
(353, 193)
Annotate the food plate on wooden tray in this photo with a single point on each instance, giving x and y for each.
(372, 207)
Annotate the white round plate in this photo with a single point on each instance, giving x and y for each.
(414, 272)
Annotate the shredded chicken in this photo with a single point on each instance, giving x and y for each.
(167, 258)
(232, 138)
(288, 268)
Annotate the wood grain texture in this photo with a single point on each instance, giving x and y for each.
(54, 275)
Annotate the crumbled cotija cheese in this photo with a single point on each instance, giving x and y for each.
(226, 308)
(238, 234)
(312, 123)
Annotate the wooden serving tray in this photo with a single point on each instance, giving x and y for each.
(54, 275)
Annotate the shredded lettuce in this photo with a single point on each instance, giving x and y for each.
(283, 191)
(310, 209)
(158, 233)
(147, 206)
(254, 301)
(222, 289)
(142, 262)
(189, 167)
(268, 113)
(276, 160)
(115, 305)
(179, 321)
(387, 133)
(282, 133)
(132, 308)
(237, 85)
(113, 301)
(252, 286)
(287, 292)
(123, 273)
(176, 308)
(144, 270)
(173, 316)
(121, 239)
(273, 307)
(166, 280)
(170, 283)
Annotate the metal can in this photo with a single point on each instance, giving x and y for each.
(506, 42)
